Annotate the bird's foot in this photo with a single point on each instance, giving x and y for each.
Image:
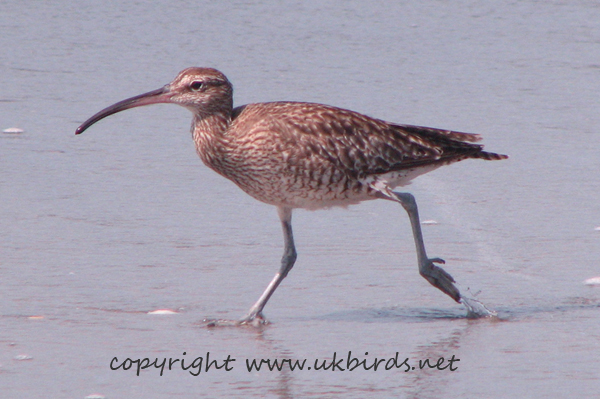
(442, 280)
(254, 320)
(439, 278)
(251, 320)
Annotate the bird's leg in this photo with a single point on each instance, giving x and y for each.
(437, 276)
(254, 315)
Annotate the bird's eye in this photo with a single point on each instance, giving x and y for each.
(197, 85)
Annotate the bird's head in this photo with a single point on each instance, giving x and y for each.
(204, 91)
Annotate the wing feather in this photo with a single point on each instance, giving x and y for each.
(354, 143)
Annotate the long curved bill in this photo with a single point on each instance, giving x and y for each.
(162, 95)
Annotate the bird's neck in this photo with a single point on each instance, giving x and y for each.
(209, 134)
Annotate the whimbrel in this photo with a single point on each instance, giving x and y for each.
(312, 156)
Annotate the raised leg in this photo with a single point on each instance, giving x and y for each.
(254, 315)
(437, 276)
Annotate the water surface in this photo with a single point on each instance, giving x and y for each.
(100, 229)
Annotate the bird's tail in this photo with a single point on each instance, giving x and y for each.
(489, 156)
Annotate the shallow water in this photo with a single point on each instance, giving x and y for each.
(100, 229)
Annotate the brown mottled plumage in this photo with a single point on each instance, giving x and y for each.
(311, 156)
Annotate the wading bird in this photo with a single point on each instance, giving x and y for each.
(312, 156)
